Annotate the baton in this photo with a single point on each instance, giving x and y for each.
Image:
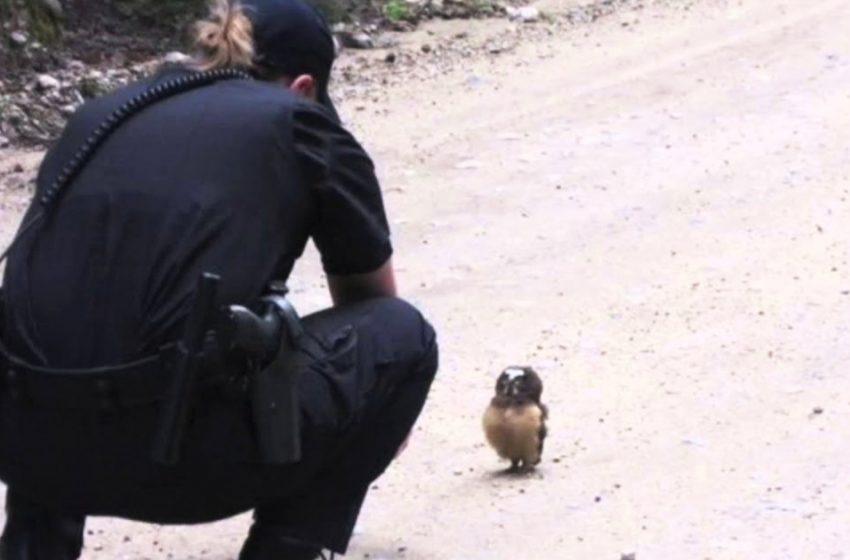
(178, 400)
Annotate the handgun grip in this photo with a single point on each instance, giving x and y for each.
(259, 336)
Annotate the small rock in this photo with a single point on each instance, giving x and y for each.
(817, 410)
(4, 142)
(426, 48)
(390, 58)
(54, 7)
(628, 556)
(76, 66)
(68, 110)
(14, 115)
(528, 14)
(356, 40)
(525, 14)
(46, 82)
(17, 39)
(15, 182)
(176, 57)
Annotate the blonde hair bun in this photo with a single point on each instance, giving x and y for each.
(225, 38)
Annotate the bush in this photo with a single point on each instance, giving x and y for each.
(396, 10)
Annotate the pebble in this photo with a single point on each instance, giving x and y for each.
(54, 7)
(628, 556)
(356, 40)
(17, 39)
(529, 14)
(15, 182)
(525, 14)
(4, 142)
(176, 57)
(46, 82)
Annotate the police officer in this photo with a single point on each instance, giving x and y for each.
(226, 167)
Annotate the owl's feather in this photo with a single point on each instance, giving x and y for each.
(516, 432)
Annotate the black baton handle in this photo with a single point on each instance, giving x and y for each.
(178, 401)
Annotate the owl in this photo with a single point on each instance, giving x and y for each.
(515, 421)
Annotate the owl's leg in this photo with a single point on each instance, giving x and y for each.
(514, 466)
(526, 466)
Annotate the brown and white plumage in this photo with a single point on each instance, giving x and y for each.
(515, 421)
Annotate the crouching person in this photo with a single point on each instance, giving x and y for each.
(127, 388)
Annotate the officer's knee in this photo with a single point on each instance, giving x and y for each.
(415, 337)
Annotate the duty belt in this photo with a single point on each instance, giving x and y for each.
(268, 335)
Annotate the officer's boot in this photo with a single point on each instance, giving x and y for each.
(264, 544)
(35, 533)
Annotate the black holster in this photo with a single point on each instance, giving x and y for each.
(274, 389)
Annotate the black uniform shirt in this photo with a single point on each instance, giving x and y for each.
(231, 178)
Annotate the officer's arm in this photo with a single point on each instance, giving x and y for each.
(351, 231)
(356, 287)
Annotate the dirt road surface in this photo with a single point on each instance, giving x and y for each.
(653, 211)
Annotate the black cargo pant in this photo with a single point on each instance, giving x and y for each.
(368, 373)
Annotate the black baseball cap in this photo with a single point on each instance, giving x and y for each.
(292, 37)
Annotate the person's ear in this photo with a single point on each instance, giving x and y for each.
(304, 85)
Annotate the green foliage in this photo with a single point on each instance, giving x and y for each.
(43, 26)
(396, 10)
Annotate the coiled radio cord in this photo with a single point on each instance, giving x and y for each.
(119, 116)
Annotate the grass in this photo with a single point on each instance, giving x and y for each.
(396, 10)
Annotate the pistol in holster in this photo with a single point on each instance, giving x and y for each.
(270, 336)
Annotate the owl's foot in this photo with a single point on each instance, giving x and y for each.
(521, 467)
